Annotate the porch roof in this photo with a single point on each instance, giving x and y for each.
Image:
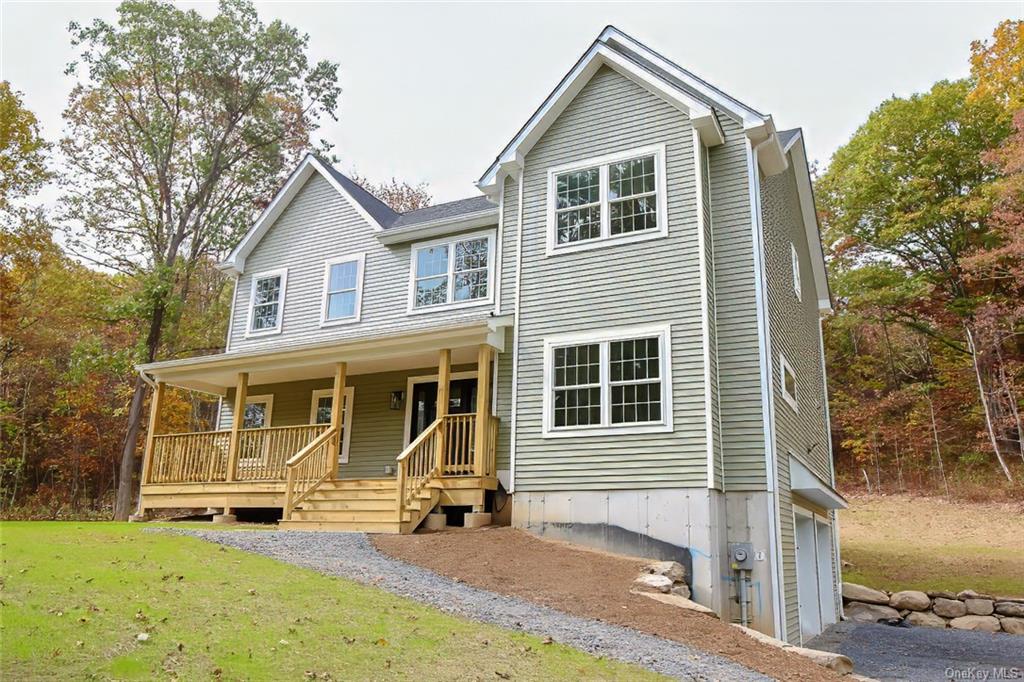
(364, 354)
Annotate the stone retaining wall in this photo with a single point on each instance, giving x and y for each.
(967, 610)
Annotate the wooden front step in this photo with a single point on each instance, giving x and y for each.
(347, 526)
(358, 505)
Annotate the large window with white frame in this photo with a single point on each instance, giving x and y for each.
(619, 197)
(614, 381)
(450, 272)
(266, 302)
(343, 290)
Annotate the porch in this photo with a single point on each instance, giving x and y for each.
(357, 437)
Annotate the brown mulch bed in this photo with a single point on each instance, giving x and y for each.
(588, 583)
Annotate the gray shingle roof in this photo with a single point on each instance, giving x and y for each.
(388, 218)
(786, 135)
(451, 209)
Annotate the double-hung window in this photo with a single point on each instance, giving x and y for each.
(266, 307)
(615, 381)
(343, 290)
(451, 272)
(614, 198)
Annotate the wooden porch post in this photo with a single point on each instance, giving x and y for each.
(483, 407)
(444, 376)
(237, 421)
(337, 401)
(155, 422)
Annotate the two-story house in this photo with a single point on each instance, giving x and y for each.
(616, 342)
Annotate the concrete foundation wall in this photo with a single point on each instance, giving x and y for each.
(747, 521)
(684, 525)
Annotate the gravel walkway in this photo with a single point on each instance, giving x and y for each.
(924, 654)
(353, 556)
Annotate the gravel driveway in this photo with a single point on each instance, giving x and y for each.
(352, 555)
(926, 654)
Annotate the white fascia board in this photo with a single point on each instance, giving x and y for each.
(235, 262)
(805, 191)
(435, 228)
(732, 106)
(597, 56)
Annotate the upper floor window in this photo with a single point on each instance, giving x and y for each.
(788, 376)
(266, 307)
(343, 289)
(452, 271)
(620, 197)
(795, 257)
(608, 382)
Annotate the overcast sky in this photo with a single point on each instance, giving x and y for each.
(431, 92)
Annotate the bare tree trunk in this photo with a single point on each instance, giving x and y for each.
(899, 467)
(938, 451)
(867, 480)
(1012, 398)
(984, 403)
(126, 472)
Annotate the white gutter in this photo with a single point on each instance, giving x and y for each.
(767, 387)
(515, 340)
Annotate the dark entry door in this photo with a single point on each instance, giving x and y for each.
(461, 400)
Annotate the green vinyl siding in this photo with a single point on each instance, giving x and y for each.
(793, 326)
(621, 285)
(738, 363)
(319, 224)
(709, 250)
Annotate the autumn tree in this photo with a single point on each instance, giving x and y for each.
(401, 196)
(179, 131)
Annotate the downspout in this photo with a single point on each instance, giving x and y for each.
(767, 388)
(515, 336)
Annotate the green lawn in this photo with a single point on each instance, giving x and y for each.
(75, 597)
(920, 543)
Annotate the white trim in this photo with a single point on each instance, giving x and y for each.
(451, 303)
(593, 59)
(346, 424)
(767, 400)
(791, 400)
(267, 398)
(805, 192)
(824, 397)
(434, 228)
(705, 307)
(607, 238)
(425, 379)
(231, 317)
(794, 257)
(267, 274)
(235, 261)
(513, 436)
(604, 337)
(360, 259)
(498, 250)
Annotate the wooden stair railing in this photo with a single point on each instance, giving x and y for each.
(417, 465)
(307, 469)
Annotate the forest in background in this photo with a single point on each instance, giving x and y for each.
(922, 214)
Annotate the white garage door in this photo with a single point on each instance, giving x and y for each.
(814, 573)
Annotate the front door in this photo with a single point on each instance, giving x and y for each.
(461, 400)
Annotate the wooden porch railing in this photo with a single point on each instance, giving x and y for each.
(203, 457)
(310, 467)
(417, 464)
(263, 453)
(454, 436)
(189, 457)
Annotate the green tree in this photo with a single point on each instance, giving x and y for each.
(178, 134)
